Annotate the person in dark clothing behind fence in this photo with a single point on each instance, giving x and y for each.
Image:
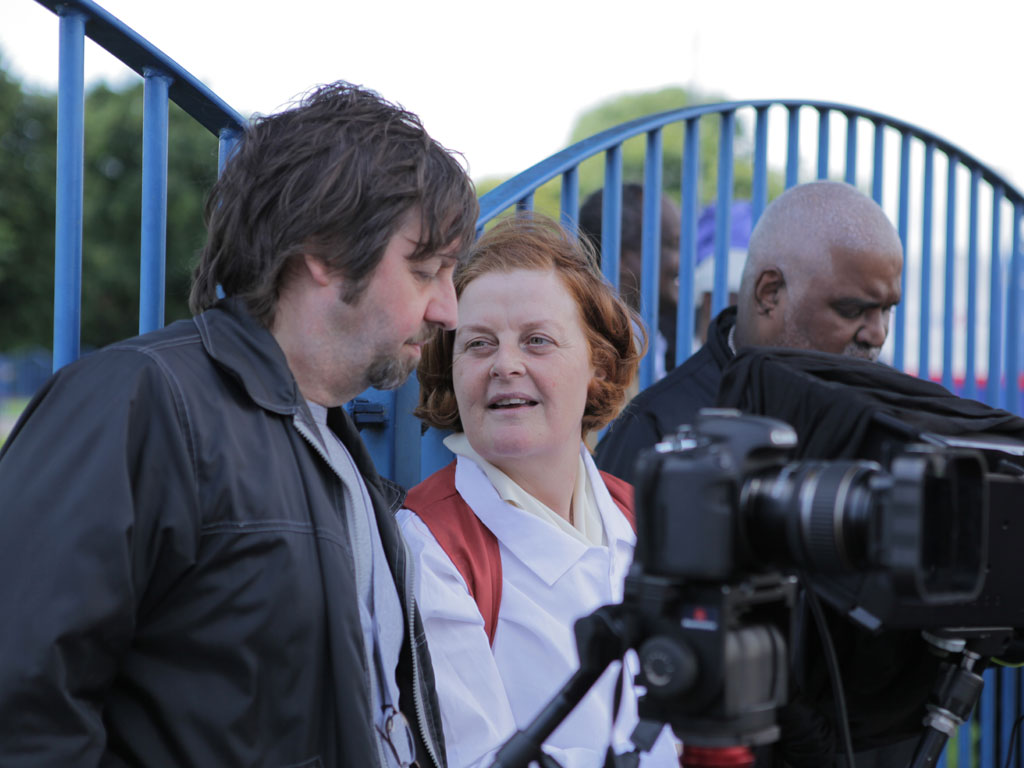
(822, 272)
(198, 562)
(663, 342)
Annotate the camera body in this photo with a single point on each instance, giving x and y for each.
(725, 521)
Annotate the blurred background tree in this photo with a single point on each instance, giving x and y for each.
(111, 212)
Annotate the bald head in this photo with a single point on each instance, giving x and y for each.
(823, 272)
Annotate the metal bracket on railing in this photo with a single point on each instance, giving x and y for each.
(367, 413)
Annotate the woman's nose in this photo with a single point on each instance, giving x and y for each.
(507, 362)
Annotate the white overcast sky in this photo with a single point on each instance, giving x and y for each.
(503, 82)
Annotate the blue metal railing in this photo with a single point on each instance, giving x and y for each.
(907, 186)
(164, 80)
(917, 181)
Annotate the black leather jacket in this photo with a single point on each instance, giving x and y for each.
(176, 579)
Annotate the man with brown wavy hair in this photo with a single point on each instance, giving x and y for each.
(199, 564)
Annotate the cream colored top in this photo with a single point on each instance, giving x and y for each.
(587, 527)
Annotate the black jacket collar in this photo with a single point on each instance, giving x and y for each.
(250, 353)
(718, 336)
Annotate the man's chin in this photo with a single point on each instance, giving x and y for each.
(391, 373)
(870, 354)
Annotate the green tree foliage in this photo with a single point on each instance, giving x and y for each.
(630, 106)
(111, 212)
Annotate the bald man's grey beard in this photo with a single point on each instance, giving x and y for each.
(862, 352)
(795, 337)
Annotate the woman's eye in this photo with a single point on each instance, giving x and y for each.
(538, 340)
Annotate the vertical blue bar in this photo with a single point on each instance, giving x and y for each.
(970, 372)
(760, 191)
(154, 202)
(1019, 710)
(793, 146)
(995, 318)
(723, 226)
(942, 759)
(380, 439)
(571, 199)
(407, 435)
(964, 743)
(949, 294)
(903, 225)
(433, 453)
(823, 138)
(687, 241)
(877, 174)
(525, 203)
(851, 149)
(650, 253)
(1007, 705)
(1013, 319)
(988, 719)
(226, 144)
(67, 271)
(925, 317)
(611, 215)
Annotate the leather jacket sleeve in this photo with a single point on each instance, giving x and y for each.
(96, 485)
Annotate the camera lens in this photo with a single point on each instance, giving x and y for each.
(811, 514)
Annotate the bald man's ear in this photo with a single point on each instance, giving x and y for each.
(768, 290)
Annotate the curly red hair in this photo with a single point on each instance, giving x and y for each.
(613, 331)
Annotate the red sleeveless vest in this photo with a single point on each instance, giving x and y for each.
(469, 543)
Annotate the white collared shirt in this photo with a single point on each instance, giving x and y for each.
(550, 579)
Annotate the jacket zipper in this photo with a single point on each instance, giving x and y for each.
(417, 695)
(303, 430)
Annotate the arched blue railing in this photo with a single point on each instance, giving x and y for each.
(949, 306)
(933, 294)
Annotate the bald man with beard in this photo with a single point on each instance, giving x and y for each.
(823, 272)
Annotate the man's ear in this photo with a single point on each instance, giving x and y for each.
(317, 269)
(768, 291)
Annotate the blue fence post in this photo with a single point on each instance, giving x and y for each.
(850, 175)
(759, 197)
(407, 434)
(570, 199)
(971, 374)
(793, 147)
(903, 227)
(823, 143)
(67, 280)
(1013, 315)
(688, 241)
(611, 215)
(650, 251)
(723, 215)
(878, 162)
(924, 320)
(949, 300)
(988, 719)
(995, 323)
(153, 265)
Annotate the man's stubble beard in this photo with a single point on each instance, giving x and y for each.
(388, 371)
